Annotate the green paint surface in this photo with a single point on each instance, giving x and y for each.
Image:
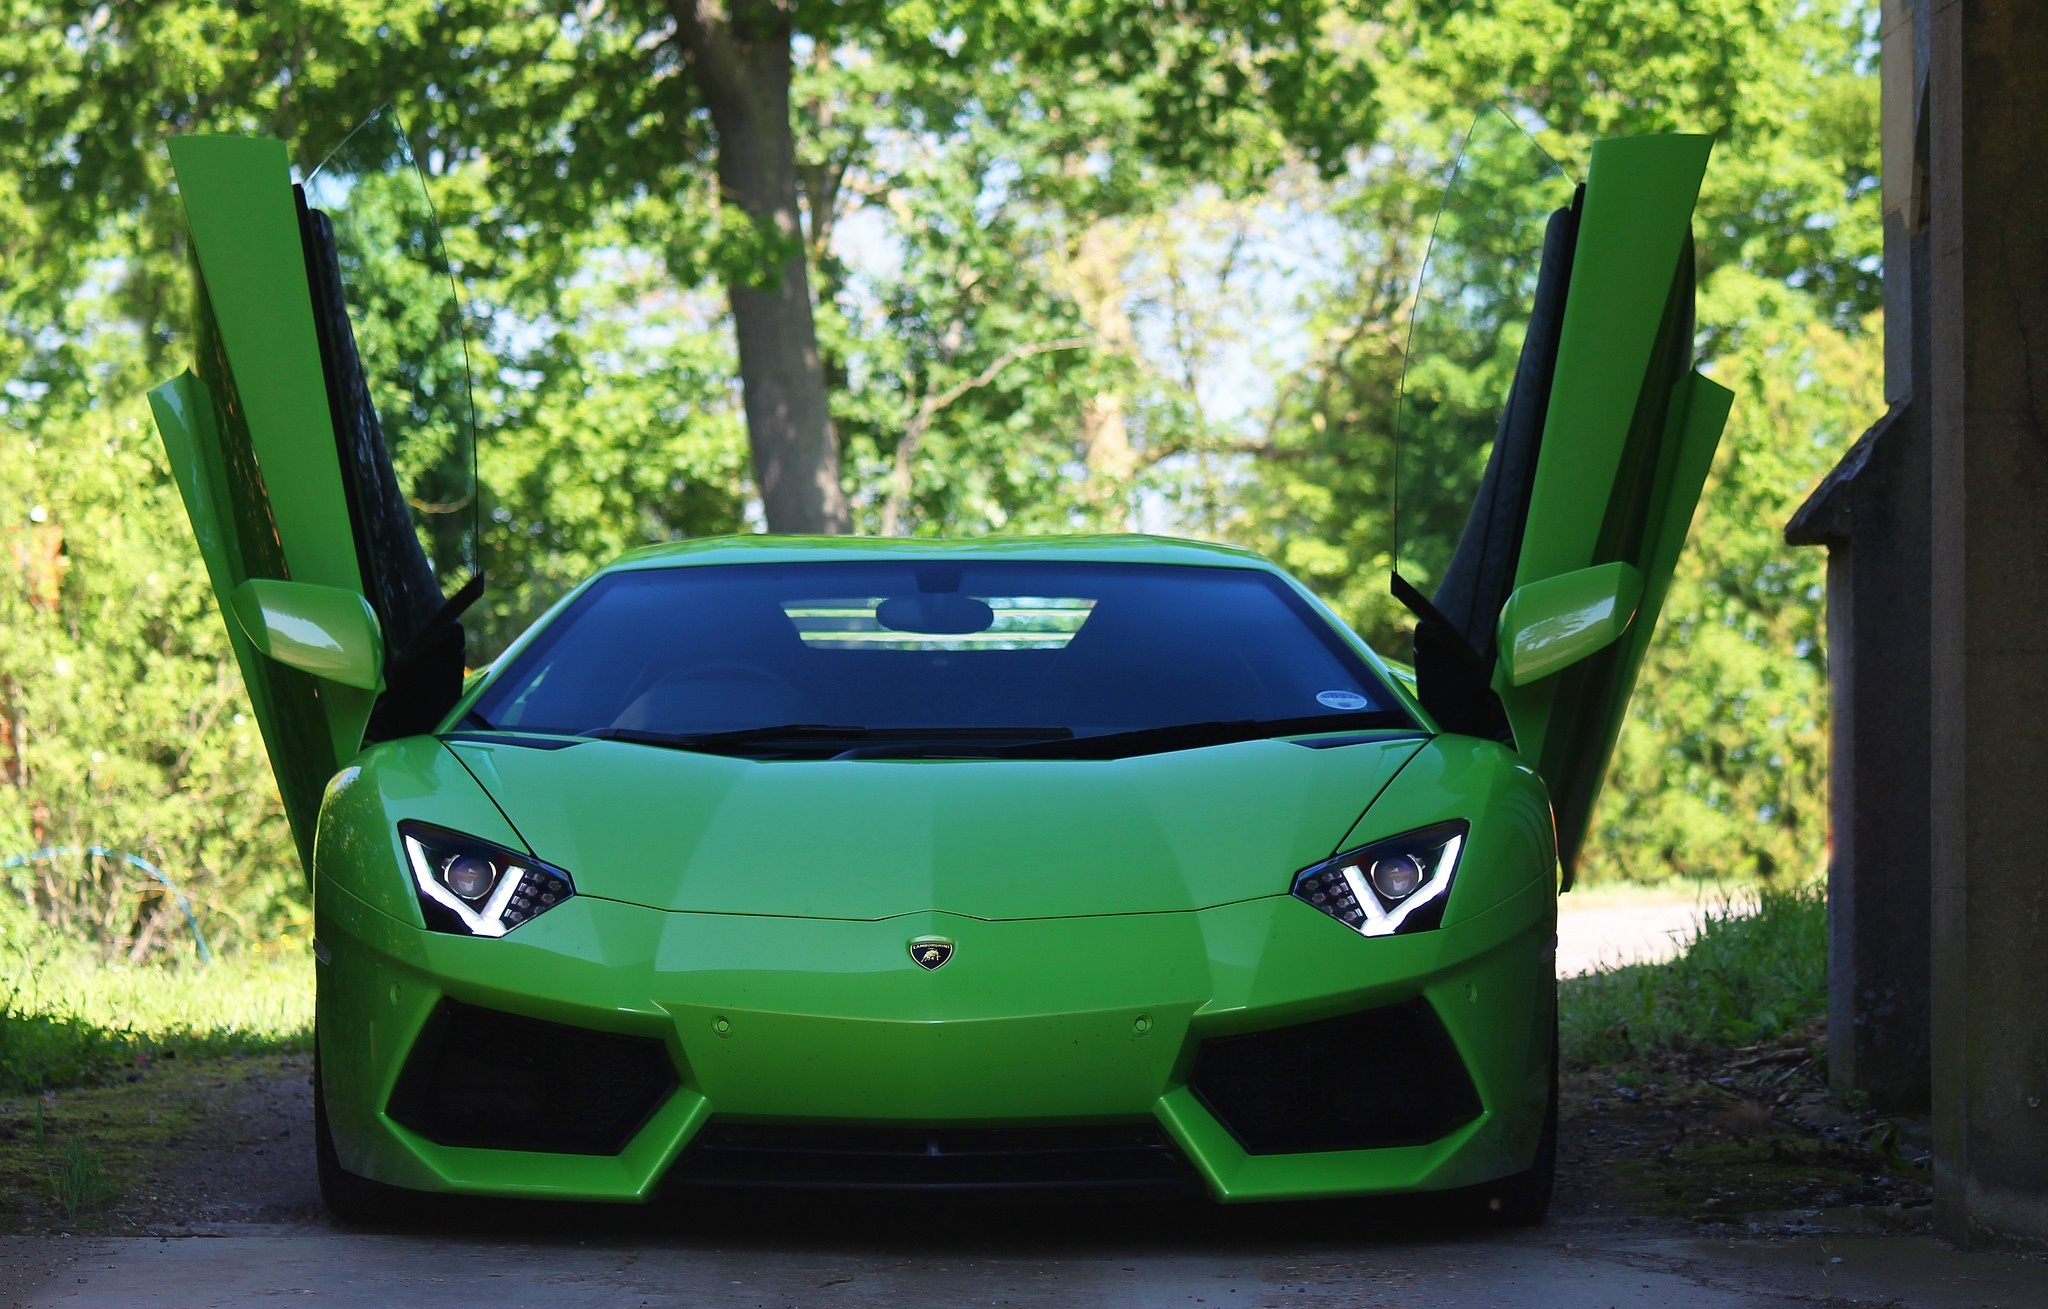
(1629, 436)
(825, 1018)
(990, 838)
(1108, 915)
(252, 445)
(245, 228)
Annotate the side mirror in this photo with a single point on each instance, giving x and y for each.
(322, 630)
(1550, 625)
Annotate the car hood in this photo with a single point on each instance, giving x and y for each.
(992, 839)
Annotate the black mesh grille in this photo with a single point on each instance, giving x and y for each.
(726, 1154)
(1383, 1077)
(484, 1078)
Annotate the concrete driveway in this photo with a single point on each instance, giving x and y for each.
(237, 1223)
(1303, 1258)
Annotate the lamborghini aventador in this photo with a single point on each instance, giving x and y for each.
(1056, 862)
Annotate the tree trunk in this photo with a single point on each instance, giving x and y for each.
(739, 51)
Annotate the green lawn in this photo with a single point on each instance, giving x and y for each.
(1748, 977)
(69, 1019)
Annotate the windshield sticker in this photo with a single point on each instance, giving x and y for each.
(1020, 622)
(1342, 699)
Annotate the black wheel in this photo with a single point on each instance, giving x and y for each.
(351, 1200)
(1522, 1200)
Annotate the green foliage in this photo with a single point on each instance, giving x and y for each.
(1750, 976)
(1085, 265)
(123, 722)
(1787, 90)
(619, 430)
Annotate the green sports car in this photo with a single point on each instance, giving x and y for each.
(1083, 862)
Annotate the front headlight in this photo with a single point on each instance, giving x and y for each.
(1396, 885)
(475, 888)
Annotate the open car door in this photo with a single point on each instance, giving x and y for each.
(307, 525)
(1544, 601)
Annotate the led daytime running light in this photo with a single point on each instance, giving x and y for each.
(1342, 887)
(523, 887)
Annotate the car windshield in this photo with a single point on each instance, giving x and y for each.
(937, 658)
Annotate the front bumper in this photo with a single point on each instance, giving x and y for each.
(1033, 1022)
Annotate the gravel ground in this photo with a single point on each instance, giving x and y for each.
(250, 1160)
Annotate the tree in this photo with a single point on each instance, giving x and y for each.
(584, 106)
(740, 54)
(1217, 80)
(1721, 766)
(1186, 189)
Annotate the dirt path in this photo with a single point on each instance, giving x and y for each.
(248, 1161)
(182, 1145)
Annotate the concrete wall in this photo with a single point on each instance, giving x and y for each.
(1988, 227)
(1873, 515)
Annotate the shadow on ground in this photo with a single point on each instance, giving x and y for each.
(1680, 1189)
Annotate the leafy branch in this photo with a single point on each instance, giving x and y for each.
(913, 434)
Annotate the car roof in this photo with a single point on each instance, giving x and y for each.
(1130, 548)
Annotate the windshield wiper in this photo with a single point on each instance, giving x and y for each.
(730, 742)
(840, 741)
(952, 742)
(1189, 736)
(844, 741)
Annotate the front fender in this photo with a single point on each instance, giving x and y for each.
(355, 846)
(1513, 842)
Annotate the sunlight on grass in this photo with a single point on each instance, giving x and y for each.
(1751, 975)
(254, 997)
(67, 1018)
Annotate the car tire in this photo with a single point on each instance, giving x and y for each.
(351, 1200)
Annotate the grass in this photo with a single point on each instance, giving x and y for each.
(69, 1019)
(104, 1066)
(1698, 1088)
(81, 1180)
(1749, 977)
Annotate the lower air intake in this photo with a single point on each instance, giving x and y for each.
(1383, 1077)
(758, 1155)
(479, 1077)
